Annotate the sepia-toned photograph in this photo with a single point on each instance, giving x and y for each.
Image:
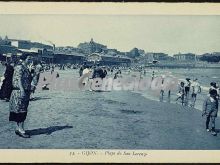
(109, 81)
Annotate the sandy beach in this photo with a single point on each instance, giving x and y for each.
(107, 120)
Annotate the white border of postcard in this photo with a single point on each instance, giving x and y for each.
(67, 156)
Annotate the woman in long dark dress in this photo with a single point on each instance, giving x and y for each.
(6, 88)
(20, 96)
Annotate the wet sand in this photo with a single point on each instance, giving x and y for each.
(106, 120)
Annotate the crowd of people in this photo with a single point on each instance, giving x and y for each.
(21, 79)
(210, 105)
(187, 91)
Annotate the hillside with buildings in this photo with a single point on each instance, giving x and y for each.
(68, 54)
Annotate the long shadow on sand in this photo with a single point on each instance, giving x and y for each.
(47, 131)
(217, 130)
(39, 98)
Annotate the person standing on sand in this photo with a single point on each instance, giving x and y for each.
(20, 96)
(112, 71)
(81, 69)
(116, 75)
(195, 90)
(152, 76)
(35, 76)
(213, 86)
(181, 92)
(98, 72)
(162, 88)
(187, 87)
(52, 69)
(105, 73)
(187, 91)
(6, 88)
(210, 110)
(145, 72)
(86, 70)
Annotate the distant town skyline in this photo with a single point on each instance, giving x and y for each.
(167, 34)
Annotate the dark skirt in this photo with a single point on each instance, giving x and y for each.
(17, 117)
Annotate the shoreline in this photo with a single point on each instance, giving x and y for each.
(196, 107)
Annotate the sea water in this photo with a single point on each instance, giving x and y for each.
(205, 76)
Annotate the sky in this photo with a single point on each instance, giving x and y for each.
(167, 34)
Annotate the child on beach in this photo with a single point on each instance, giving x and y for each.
(181, 92)
(213, 86)
(162, 87)
(195, 90)
(187, 87)
(153, 75)
(210, 109)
